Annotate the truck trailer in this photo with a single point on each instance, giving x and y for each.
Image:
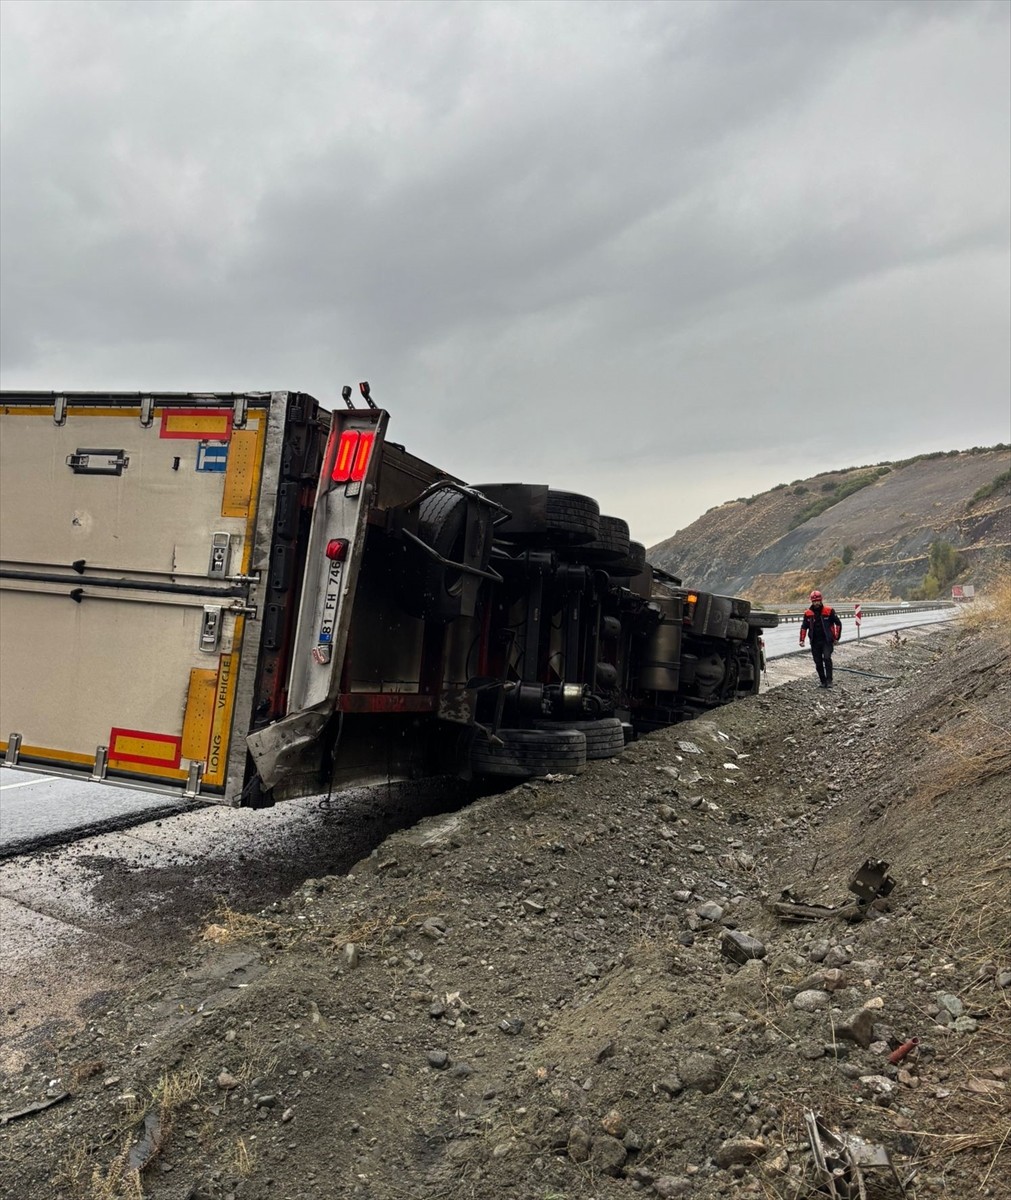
(242, 597)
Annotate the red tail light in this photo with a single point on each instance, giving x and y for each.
(346, 448)
(361, 464)
(337, 549)
(353, 453)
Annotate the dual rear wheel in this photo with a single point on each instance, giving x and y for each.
(551, 748)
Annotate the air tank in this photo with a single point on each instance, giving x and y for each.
(659, 667)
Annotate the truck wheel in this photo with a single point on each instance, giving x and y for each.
(426, 588)
(634, 562)
(763, 620)
(572, 518)
(527, 753)
(605, 738)
(566, 518)
(611, 542)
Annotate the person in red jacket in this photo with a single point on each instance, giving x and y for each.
(824, 626)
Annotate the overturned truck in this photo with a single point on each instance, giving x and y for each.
(243, 597)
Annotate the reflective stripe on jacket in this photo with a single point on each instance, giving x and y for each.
(827, 628)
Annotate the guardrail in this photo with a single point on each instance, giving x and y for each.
(873, 610)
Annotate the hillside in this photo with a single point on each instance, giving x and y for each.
(861, 532)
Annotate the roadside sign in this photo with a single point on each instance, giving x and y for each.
(857, 617)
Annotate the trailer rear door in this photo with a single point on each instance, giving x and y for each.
(133, 529)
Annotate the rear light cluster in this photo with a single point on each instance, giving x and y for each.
(337, 549)
(353, 453)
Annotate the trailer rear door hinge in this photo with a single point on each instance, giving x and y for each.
(147, 411)
(239, 413)
(60, 410)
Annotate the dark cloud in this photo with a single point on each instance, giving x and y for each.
(653, 251)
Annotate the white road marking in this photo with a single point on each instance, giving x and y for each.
(6, 787)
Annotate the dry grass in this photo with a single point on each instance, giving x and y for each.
(992, 609)
(80, 1175)
(230, 926)
(980, 749)
(243, 1160)
(367, 932)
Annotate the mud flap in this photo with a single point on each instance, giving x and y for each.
(280, 749)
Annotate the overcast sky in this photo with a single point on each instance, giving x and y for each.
(664, 253)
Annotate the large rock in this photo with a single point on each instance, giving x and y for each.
(700, 1071)
(607, 1155)
(739, 1152)
(741, 947)
(857, 1027)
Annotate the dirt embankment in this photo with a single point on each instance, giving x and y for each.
(530, 998)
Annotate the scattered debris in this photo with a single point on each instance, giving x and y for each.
(147, 1146)
(871, 882)
(789, 908)
(898, 1055)
(41, 1106)
(840, 1158)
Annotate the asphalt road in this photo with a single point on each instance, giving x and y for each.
(36, 808)
(786, 638)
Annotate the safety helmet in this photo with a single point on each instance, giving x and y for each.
(815, 596)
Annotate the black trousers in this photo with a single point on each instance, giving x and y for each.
(821, 651)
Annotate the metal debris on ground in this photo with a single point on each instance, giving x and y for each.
(789, 908)
(871, 882)
(900, 1052)
(841, 1158)
(147, 1145)
(31, 1109)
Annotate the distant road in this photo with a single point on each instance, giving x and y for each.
(785, 639)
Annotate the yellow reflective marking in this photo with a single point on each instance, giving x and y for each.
(199, 714)
(241, 472)
(56, 755)
(209, 425)
(221, 724)
(125, 748)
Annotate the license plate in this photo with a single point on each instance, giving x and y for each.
(331, 602)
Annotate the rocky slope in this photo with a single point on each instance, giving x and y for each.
(539, 996)
(871, 539)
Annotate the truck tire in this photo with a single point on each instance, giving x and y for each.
(527, 753)
(634, 562)
(426, 588)
(610, 544)
(569, 519)
(572, 518)
(763, 620)
(605, 738)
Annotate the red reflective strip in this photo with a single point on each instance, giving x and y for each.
(361, 463)
(143, 746)
(345, 456)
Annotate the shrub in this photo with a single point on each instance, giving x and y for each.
(988, 489)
